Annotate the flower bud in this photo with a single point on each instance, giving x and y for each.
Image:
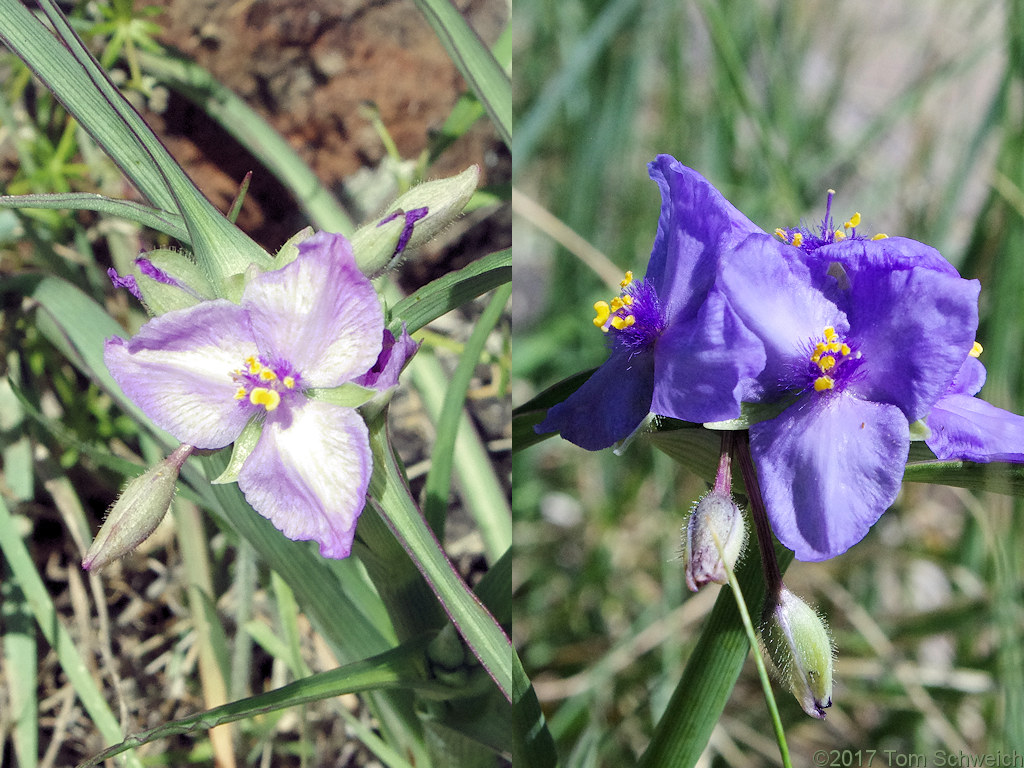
(137, 511)
(169, 280)
(796, 642)
(412, 220)
(715, 516)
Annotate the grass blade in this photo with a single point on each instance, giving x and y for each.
(482, 71)
(163, 221)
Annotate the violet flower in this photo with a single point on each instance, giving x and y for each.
(864, 337)
(205, 372)
(677, 348)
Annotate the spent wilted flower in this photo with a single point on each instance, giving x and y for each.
(302, 339)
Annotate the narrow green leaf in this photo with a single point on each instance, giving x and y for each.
(390, 495)
(77, 79)
(482, 71)
(452, 290)
(72, 85)
(398, 668)
(482, 492)
(497, 533)
(163, 221)
(710, 674)
(18, 642)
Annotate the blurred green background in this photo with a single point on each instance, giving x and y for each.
(914, 113)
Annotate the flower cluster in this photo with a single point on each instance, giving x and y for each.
(852, 338)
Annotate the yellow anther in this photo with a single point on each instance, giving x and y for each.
(268, 398)
(267, 375)
(289, 381)
(626, 280)
(617, 304)
(976, 350)
(880, 236)
(827, 363)
(830, 333)
(798, 239)
(839, 234)
(853, 222)
(254, 364)
(627, 300)
(603, 311)
(240, 393)
(781, 234)
(822, 383)
(618, 323)
(844, 349)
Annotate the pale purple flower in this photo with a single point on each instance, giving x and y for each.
(204, 372)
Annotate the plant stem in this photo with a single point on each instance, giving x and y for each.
(772, 574)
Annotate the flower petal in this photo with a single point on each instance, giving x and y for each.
(829, 470)
(968, 428)
(771, 291)
(914, 328)
(969, 379)
(697, 225)
(309, 476)
(702, 366)
(392, 358)
(609, 405)
(178, 367)
(319, 313)
(886, 253)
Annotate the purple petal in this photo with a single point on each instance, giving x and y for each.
(411, 217)
(697, 225)
(310, 479)
(914, 328)
(393, 356)
(887, 253)
(319, 313)
(609, 405)
(969, 379)
(178, 368)
(127, 282)
(773, 295)
(968, 428)
(828, 472)
(701, 367)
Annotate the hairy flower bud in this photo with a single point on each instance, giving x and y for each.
(715, 516)
(412, 220)
(137, 511)
(796, 642)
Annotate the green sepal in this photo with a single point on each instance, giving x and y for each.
(288, 252)
(244, 445)
(161, 298)
(752, 413)
(919, 430)
(374, 244)
(347, 395)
